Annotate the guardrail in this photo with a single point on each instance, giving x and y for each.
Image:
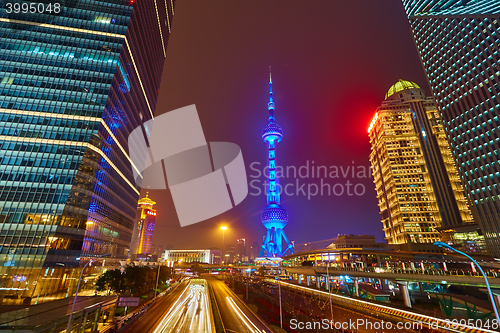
(125, 322)
(426, 321)
(451, 277)
(434, 271)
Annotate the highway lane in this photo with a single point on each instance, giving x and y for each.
(189, 314)
(153, 315)
(235, 315)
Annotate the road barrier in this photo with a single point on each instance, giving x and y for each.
(217, 319)
(428, 322)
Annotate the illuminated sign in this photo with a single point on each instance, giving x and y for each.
(19, 278)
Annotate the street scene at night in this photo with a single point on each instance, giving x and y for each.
(249, 166)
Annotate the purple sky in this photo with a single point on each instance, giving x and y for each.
(332, 63)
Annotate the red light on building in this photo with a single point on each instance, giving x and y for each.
(373, 122)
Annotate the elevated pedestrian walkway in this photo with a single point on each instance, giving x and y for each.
(53, 316)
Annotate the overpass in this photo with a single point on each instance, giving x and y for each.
(458, 277)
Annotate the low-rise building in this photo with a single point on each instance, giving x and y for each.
(194, 256)
(356, 241)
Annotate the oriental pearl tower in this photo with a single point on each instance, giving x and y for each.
(274, 216)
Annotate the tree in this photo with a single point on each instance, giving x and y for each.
(112, 280)
(262, 271)
(135, 279)
(198, 269)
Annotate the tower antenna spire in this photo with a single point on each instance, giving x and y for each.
(270, 105)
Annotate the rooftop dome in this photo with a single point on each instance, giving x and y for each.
(400, 86)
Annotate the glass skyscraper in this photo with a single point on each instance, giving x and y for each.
(458, 42)
(74, 82)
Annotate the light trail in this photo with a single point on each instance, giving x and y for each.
(242, 316)
(174, 309)
(186, 315)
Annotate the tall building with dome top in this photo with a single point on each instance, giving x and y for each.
(274, 216)
(419, 192)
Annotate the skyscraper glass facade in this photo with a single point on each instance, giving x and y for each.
(417, 184)
(73, 84)
(458, 43)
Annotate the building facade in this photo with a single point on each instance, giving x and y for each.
(144, 227)
(458, 43)
(193, 256)
(418, 187)
(241, 250)
(74, 82)
(356, 241)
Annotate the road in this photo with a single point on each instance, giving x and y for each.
(148, 322)
(189, 314)
(235, 315)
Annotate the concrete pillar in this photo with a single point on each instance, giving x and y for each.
(318, 281)
(384, 284)
(496, 297)
(421, 288)
(356, 287)
(406, 294)
(300, 278)
(308, 280)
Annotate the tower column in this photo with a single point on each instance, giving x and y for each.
(274, 216)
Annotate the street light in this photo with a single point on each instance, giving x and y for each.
(78, 287)
(279, 292)
(328, 286)
(441, 244)
(223, 228)
(157, 278)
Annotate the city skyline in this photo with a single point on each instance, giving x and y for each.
(326, 102)
(124, 133)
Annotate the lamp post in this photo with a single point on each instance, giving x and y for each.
(441, 244)
(248, 275)
(78, 287)
(328, 285)
(157, 277)
(279, 292)
(279, 286)
(223, 228)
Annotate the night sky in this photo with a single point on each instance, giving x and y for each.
(332, 63)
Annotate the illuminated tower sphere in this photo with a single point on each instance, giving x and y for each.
(274, 216)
